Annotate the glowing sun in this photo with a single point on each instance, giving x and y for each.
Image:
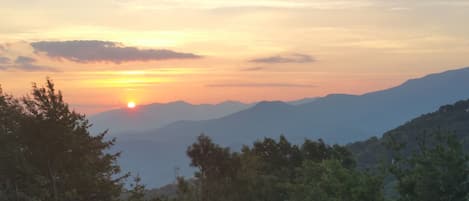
(131, 104)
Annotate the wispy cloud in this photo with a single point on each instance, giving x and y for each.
(24, 60)
(4, 60)
(253, 69)
(215, 4)
(84, 51)
(23, 63)
(268, 85)
(290, 58)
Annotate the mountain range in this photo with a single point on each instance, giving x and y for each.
(337, 118)
(156, 115)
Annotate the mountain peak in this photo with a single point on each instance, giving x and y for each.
(445, 76)
(270, 105)
(179, 102)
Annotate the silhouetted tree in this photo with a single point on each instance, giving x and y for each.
(53, 157)
(270, 170)
(217, 168)
(137, 191)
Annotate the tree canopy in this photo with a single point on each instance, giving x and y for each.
(48, 154)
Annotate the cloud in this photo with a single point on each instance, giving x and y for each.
(291, 58)
(84, 51)
(24, 60)
(25, 64)
(4, 60)
(270, 85)
(150, 5)
(253, 69)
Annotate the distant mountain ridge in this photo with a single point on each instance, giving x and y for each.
(337, 118)
(157, 115)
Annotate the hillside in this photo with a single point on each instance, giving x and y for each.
(449, 118)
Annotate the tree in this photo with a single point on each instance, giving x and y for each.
(14, 168)
(438, 171)
(269, 171)
(217, 168)
(186, 190)
(329, 180)
(137, 193)
(55, 157)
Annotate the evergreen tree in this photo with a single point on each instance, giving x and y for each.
(16, 182)
(50, 154)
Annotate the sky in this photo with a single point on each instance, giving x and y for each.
(104, 53)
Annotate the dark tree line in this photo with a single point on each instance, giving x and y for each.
(271, 170)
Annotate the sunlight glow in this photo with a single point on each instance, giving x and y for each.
(131, 104)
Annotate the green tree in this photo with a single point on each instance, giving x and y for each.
(329, 180)
(217, 169)
(15, 171)
(54, 157)
(438, 171)
(274, 164)
(267, 171)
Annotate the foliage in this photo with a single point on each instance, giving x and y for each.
(273, 170)
(217, 169)
(376, 152)
(137, 193)
(48, 153)
(438, 171)
(449, 118)
(329, 180)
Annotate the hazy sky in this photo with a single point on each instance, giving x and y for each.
(103, 53)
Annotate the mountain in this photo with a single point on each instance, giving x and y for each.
(156, 115)
(452, 119)
(374, 152)
(337, 118)
(302, 101)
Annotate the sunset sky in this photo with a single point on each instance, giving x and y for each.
(104, 53)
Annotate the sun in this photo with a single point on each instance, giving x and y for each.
(131, 104)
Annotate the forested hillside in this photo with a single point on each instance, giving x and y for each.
(449, 118)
